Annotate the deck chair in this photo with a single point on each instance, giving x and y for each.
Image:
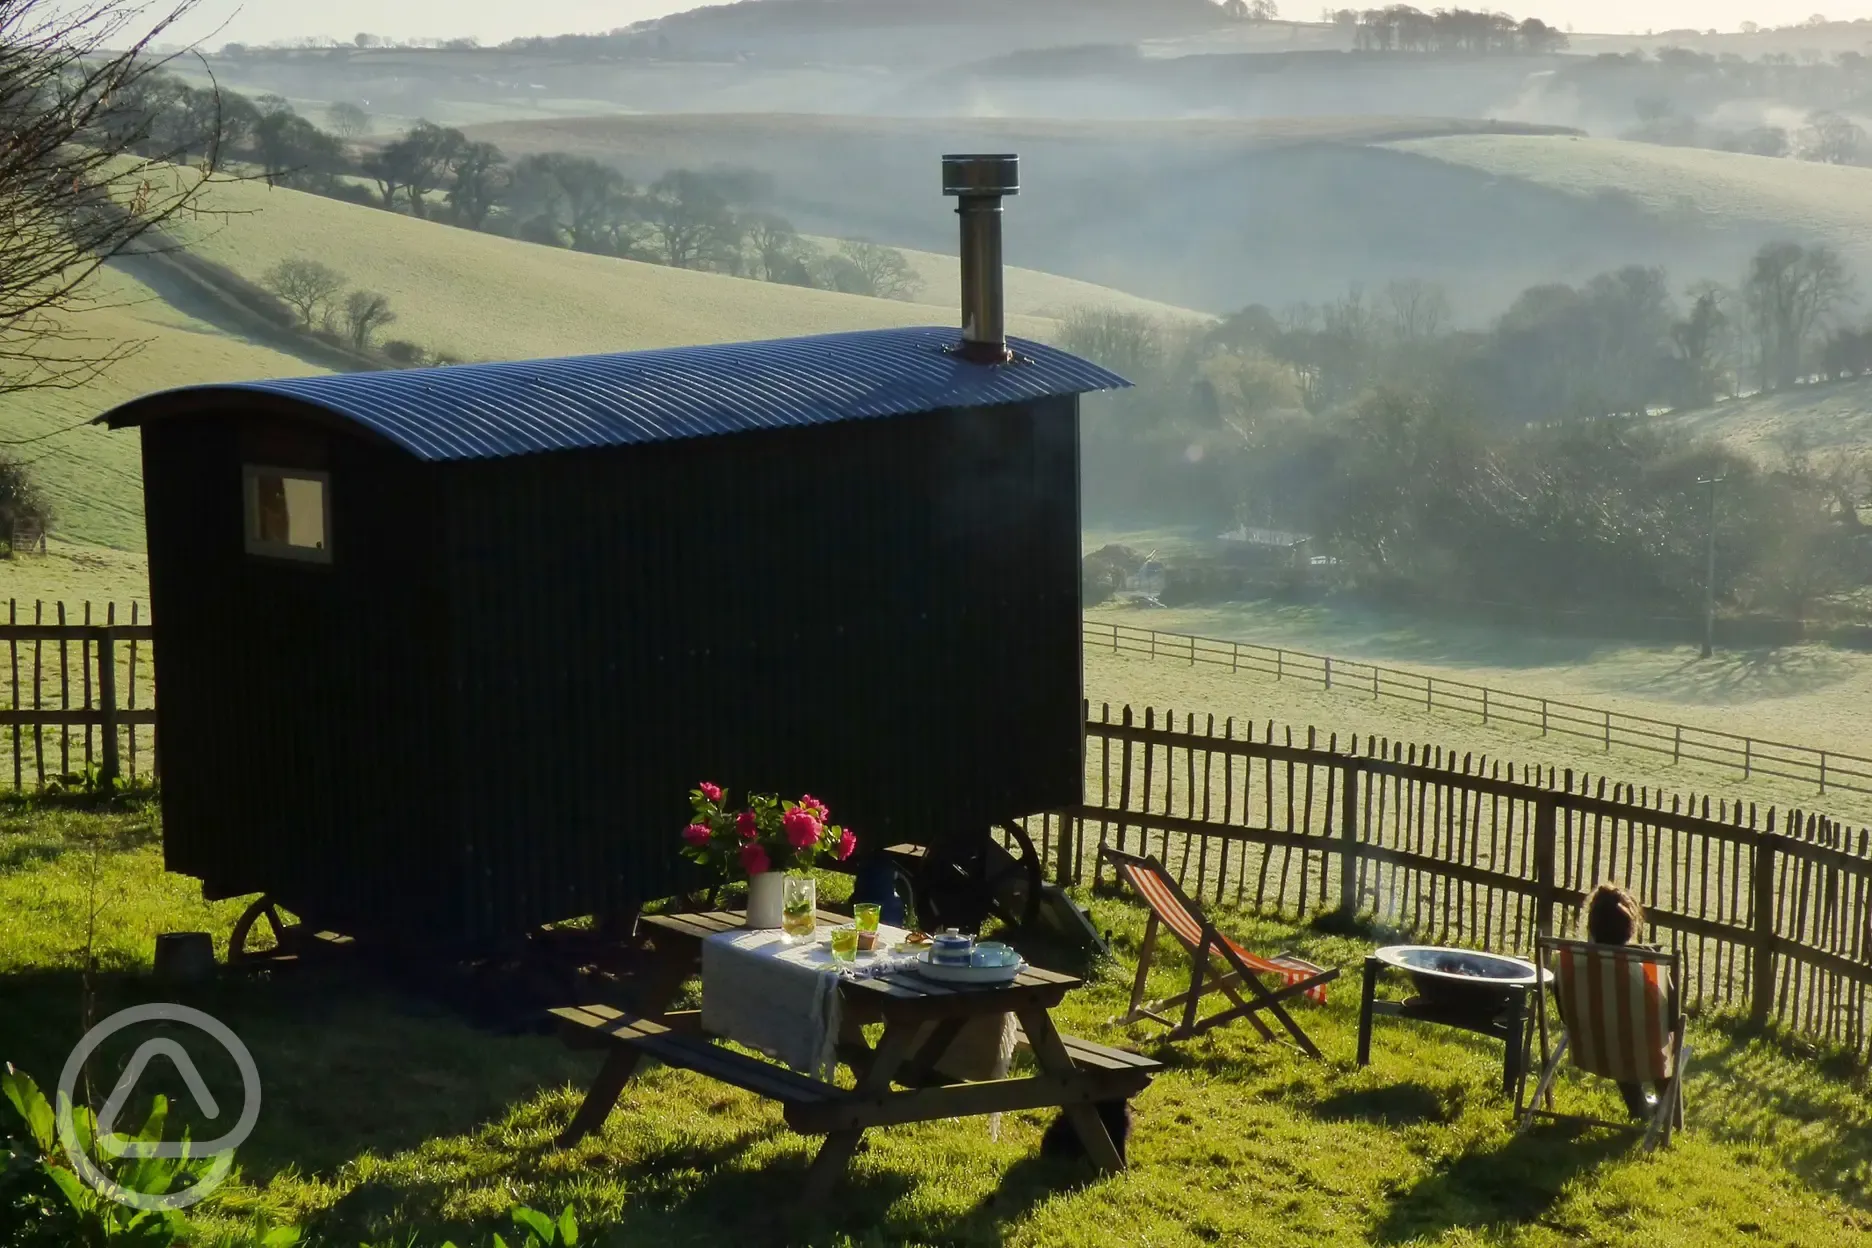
(1621, 1017)
(1240, 978)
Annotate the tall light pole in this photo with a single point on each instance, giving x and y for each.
(1709, 572)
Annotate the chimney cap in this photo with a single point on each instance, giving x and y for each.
(981, 175)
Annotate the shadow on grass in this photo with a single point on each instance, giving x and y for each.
(1401, 1104)
(345, 1067)
(1515, 1183)
(114, 837)
(1806, 1105)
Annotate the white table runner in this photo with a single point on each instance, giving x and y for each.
(761, 990)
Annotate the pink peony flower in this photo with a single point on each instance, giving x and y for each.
(747, 825)
(801, 828)
(809, 802)
(696, 834)
(847, 843)
(754, 859)
(710, 791)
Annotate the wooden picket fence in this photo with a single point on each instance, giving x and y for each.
(78, 693)
(1771, 909)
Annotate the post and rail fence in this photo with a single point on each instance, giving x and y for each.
(1827, 770)
(77, 695)
(1771, 909)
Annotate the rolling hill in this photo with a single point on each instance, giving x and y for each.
(1718, 191)
(1205, 213)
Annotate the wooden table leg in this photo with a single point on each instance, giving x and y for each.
(666, 978)
(1365, 1011)
(619, 1065)
(1051, 1056)
(894, 1049)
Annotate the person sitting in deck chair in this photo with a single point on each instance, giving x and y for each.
(1614, 917)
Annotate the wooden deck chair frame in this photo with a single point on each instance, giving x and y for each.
(1240, 982)
(1669, 1115)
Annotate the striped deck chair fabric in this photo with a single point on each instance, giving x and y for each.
(1238, 977)
(1621, 1018)
(1616, 1010)
(1155, 888)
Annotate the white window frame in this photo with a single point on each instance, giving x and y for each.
(250, 520)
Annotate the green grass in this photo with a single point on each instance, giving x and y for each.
(383, 1115)
(1171, 684)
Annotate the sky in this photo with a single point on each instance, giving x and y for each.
(260, 21)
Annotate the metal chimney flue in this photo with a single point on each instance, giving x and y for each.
(978, 183)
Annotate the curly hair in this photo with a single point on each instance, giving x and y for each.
(1613, 916)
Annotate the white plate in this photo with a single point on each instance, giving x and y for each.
(968, 974)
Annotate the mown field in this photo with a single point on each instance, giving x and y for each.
(387, 1119)
(1725, 190)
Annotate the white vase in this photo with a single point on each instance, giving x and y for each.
(764, 893)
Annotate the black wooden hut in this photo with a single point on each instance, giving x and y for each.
(440, 652)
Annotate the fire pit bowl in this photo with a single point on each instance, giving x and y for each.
(1461, 979)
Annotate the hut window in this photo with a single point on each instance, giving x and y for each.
(288, 513)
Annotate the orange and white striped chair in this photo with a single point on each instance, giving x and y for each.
(1621, 1017)
(1240, 980)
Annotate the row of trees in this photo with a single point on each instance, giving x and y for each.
(1401, 28)
(716, 219)
(1524, 461)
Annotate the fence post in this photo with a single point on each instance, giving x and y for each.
(1429, 693)
(1546, 834)
(1677, 746)
(1543, 717)
(1153, 633)
(107, 698)
(1748, 753)
(1374, 682)
(1234, 656)
(1823, 771)
(1485, 704)
(1348, 834)
(1279, 662)
(1608, 730)
(1192, 642)
(1329, 673)
(1762, 928)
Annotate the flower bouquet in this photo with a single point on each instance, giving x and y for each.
(761, 841)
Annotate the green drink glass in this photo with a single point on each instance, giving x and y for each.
(845, 943)
(865, 916)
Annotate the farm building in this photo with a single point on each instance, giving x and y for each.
(442, 651)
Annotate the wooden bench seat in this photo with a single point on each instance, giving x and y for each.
(690, 1050)
(1087, 1053)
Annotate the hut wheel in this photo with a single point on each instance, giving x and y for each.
(965, 881)
(264, 930)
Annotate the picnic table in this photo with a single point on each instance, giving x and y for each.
(896, 1078)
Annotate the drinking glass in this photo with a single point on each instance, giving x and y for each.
(798, 901)
(845, 943)
(865, 916)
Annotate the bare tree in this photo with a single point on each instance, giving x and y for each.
(878, 271)
(1419, 309)
(305, 285)
(1788, 294)
(80, 175)
(347, 120)
(776, 246)
(1832, 139)
(365, 312)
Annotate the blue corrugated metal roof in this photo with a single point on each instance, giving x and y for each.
(485, 411)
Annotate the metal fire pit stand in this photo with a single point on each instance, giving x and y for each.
(1508, 1025)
